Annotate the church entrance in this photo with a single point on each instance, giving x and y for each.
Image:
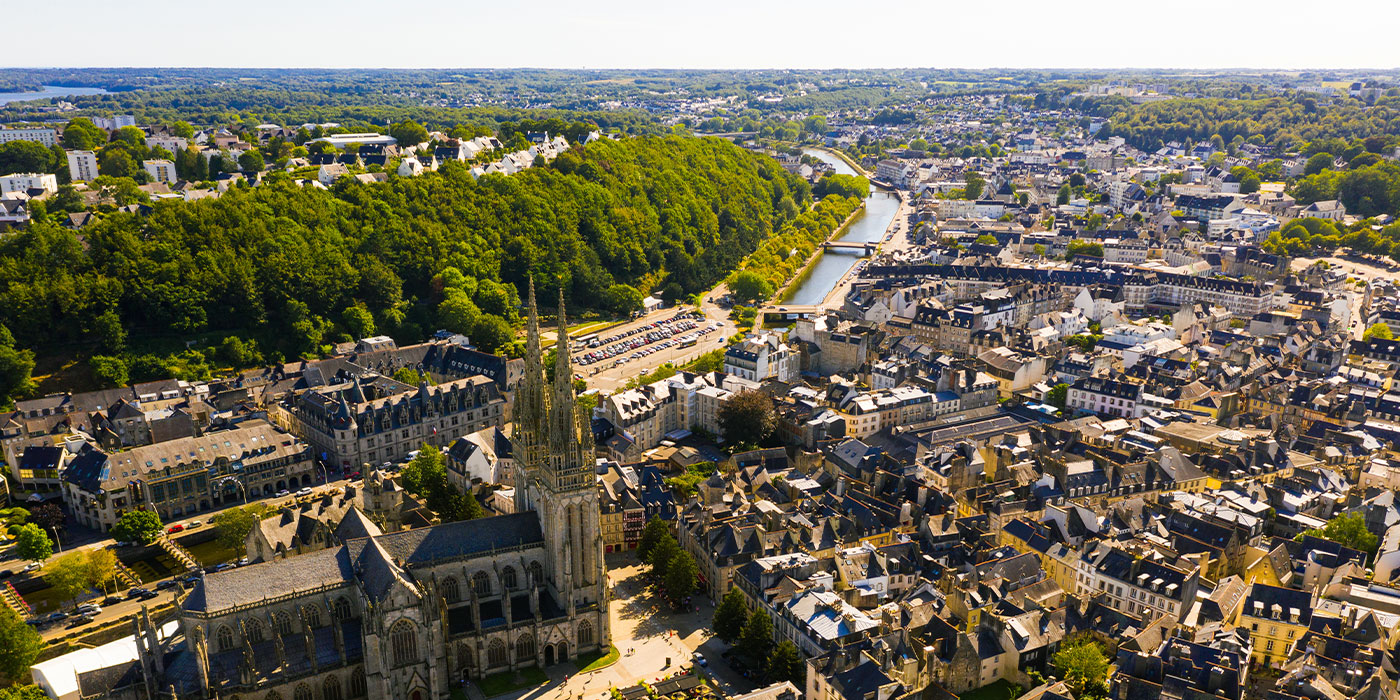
(417, 695)
(549, 655)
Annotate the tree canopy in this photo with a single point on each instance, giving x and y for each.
(140, 526)
(747, 417)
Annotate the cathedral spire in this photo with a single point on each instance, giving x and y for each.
(529, 412)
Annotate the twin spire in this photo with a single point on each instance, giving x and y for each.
(550, 432)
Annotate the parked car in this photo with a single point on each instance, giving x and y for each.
(6, 573)
(283, 492)
(353, 475)
(700, 659)
(168, 583)
(123, 544)
(88, 609)
(79, 621)
(174, 529)
(136, 593)
(111, 600)
(56, 616)
(304, 491)
(31, 566)
(194, 524)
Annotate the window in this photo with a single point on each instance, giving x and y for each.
(330, 688)
(1269, 646)
(225, 638)
(524, 648)
(272, 695)
(253, 631)
(342, 609)
(465, 659)
(404, 641)
(585, 634)
(357, 683)
(536, 573)
(508, 578)
(312, 615)
(451, 592)
(303, 692)
(496, 654)
(482, 583)
(283, 621)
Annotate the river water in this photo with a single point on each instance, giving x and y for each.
(870, 225)
(49, 91)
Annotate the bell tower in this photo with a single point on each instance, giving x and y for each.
(555, 474)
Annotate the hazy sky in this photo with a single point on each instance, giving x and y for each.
(706, 34)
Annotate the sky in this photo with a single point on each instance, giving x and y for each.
(722, 34)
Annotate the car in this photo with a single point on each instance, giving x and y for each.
(174, 529)
(190, 580)
(136, 593)
(111, 600)
(6, 573)
(149, 595)
(194, 524)
(283, 492)
(304, 491)
(166, 584)
(122, 543)
(700, 659)
(88, 609)
(79, 621)
(353, 475)
(242, 562)
(31, 566)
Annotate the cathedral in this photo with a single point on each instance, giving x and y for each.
(408, 614)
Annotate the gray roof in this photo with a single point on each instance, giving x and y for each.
(460, 539)
(250, 584)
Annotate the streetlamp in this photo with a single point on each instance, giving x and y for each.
(59, 542)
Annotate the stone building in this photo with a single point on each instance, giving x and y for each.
(407, 614)
(368, 418)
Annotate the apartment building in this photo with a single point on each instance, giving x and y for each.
(24, 182)
(161, 170)
(47, 137)
(762, 357)
(82, 166)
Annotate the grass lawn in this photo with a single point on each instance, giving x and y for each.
(595, 661)
(1000, 690)
(506, 681)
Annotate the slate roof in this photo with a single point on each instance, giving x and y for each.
(459, 539)
(250, 584)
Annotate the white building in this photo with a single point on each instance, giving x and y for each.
(761, 357)
(23, 182)
(161, 170)
(174, 144)
(46, 137)
(114, 122)
(82, 165)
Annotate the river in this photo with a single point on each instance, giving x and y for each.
(870, 225)
(49, 91)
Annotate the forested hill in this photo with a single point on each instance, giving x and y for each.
(297, 268)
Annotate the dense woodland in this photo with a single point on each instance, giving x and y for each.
(281, 271)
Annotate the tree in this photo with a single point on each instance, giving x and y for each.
(23, 692)
(1039, 250)
(139, 526)
(20, 645)
(358, 321)
(681, 576)
(408, 133)
(69, 575)
(491, 332)
(757, 638)
(108, 371)
(26, 157)
(48, 517)
(116, 162)
(974, 186)
(1078, 247)
(1063, 196)
(747, 418)
(784, 663)
(458, 313)
(183, 129)
(986, 239)
(730, 616)
(622, 299)
(666, 550)
(749, 286)
(1318, 163)
(425, 469)
(102, 564)
(32, 543)
(1348, 530)
(1379, 330)
(232, 526)
(1058, 395)
(251, 161)
(16, 369)
(81, 134)
(1082, 663)
(655, 529)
